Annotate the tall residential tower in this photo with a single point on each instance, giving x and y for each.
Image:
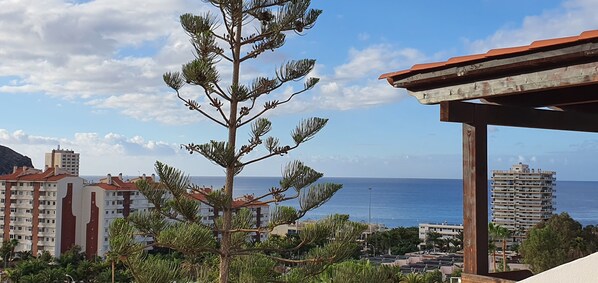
(521, 198)
(65, 159)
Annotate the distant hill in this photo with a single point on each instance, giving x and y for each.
(10, 158)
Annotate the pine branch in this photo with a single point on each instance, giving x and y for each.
(220, 153)
(317, 195)
(273, 104)
(218, 105)
(279, 151)
(188, 238)
(193, 105)
(307, 129)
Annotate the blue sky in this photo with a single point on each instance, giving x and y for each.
(87, 75)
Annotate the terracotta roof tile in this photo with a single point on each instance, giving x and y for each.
(124, 187)
(31, 174)
(499, 52)
(553, 41)
(237, 202)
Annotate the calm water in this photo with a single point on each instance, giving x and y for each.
(407, 202)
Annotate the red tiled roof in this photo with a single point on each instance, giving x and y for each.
(118, 184)
(590, 35)
(31, 174)
(238, 202)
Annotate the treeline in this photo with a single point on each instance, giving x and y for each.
(556, 241)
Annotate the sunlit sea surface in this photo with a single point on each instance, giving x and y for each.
(407, 202)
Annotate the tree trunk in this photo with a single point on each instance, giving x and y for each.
(112, 271)
(225, 242)
(494, 259)
(504, 254)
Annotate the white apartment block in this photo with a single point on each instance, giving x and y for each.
(521, 198)
(53, 210)
(40, 209)
(447, 231)
(65, 159)
(106, 201)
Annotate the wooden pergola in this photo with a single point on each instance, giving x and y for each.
(549, 84)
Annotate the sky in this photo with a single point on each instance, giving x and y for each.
(87, 76)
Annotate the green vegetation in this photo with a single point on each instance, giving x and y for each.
(398, 241)
(501, 234)
(7, 250)
(72, 263)
(363, 271)
(558, 240)
(435, 241)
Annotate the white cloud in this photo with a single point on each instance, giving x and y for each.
(574, 17)
(100, 52)
(165, 107)
(355, 83)
(375, 60)
(91, 145)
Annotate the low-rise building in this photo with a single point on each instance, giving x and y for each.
(447, 231)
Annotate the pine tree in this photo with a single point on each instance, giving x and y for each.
(243, 30)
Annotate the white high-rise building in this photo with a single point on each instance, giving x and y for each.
(40, 209)
(521, 198)
(65, 159)
(106, 201)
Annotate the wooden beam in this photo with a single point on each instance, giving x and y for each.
(493, 67)
(589, 107)
(546, 98)
(463, 112)
(569, 76)
(475, 196)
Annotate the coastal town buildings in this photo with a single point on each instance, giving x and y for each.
(521, 198)
(65, 159)
(40, 209)
(54, 210)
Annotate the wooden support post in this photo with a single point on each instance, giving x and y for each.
(475, 196)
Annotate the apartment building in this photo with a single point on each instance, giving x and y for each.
(521, 198)
(104, 202)
(40, 209)
(65, 159)
(447, 231)
(260, 211)
(53, 210)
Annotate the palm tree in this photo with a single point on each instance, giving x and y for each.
(496, 232)
(493, 235)
(503, 233)
(7, 250)
(412, 278)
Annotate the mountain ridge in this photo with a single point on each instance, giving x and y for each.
(10, 158)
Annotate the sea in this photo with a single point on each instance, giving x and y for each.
(397, 202)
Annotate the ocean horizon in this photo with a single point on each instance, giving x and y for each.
(407, 202)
